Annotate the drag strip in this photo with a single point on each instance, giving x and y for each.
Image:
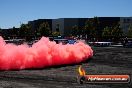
(104, 61)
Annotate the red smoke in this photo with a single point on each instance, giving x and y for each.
(42, 54)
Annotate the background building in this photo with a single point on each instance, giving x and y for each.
(58, 26)
(35, 24)
(65, 25)
(125, 23)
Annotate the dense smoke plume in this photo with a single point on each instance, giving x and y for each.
(42, 54)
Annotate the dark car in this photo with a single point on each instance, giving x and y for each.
(128, 44)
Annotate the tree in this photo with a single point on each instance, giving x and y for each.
(88, 27)
(75, 31)
(113, 32)
(106, 33)
(44, 29)
(56, 33)
(116, 32)
(91, 27)
(129, 33)
(25, 31)
(22, 31)
(0, 32)
(95, 27)
(14, 32)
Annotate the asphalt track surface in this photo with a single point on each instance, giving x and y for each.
(106, 60)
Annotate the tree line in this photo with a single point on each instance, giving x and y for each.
(26, 32)
(91, 29)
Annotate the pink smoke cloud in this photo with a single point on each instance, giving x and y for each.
(42, 54)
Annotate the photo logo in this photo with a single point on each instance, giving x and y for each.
(83, 78)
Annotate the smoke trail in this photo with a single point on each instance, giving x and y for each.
(42, 54)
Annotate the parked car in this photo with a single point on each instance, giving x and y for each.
(128, 44)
